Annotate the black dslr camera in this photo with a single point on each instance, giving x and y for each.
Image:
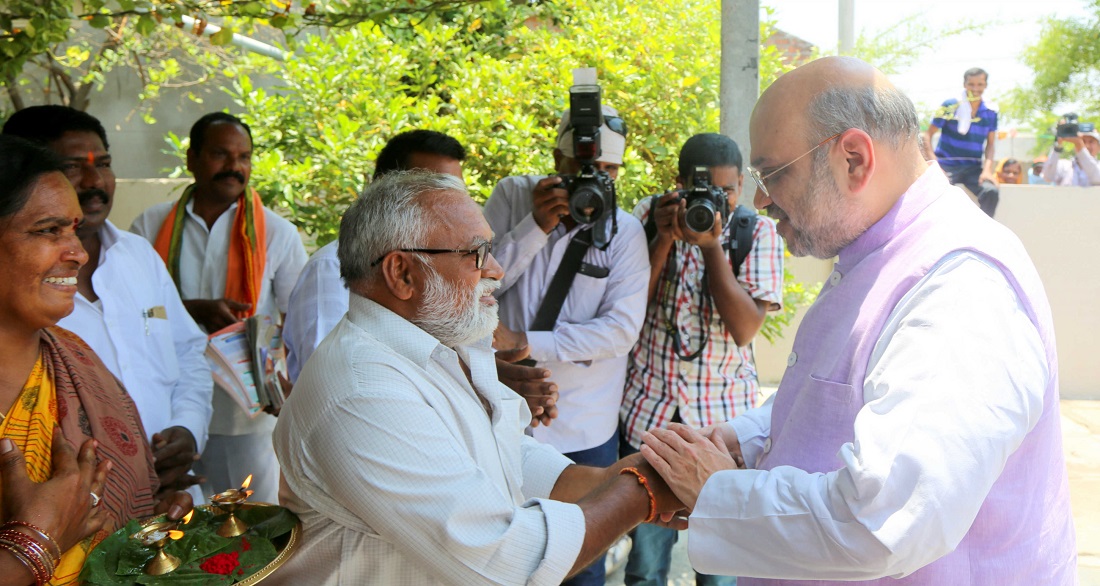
(591, 191)
(1068, 127)
(704, 200)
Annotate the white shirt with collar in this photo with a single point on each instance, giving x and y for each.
(144, 335)
(317, 303)
(399, 475)
(204, 257)
(600, 320)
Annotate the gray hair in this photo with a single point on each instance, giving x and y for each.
(884, 113)
(388, 216)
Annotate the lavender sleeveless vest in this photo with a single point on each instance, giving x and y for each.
(1013, 540)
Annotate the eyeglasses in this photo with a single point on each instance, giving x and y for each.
(616, 124)
(482, 251)
(760, 179)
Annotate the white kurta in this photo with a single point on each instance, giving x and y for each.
(317, 304)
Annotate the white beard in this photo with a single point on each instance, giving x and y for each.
(453, 318)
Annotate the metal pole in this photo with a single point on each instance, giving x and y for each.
(846, 26)
(740, 75)
(246, 43)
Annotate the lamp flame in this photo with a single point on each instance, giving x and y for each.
(246, 482)
(174, 535)
(187, 518)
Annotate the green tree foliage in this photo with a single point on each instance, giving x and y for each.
(30, 28)
(497, 81)
(71, 72)
(496, 84)
(901, 44)
(1066, 65)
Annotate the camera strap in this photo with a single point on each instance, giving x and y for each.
(738, 246)
(740, 239)
(560, 284)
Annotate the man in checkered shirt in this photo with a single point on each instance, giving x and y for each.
(694, 361)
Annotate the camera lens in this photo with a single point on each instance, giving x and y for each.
(586, 202)
(699, 215)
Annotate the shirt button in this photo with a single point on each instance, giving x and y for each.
(792, 358)
(835, 278)
(767, 445)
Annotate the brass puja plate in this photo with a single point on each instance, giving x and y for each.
(122, 558)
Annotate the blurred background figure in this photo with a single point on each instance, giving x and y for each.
(1035, 176)
(1010, 171)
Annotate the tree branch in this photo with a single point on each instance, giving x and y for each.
(16, 97)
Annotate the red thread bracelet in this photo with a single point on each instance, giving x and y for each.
(649, 491)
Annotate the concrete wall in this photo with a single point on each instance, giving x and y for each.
(1058, 226)
(132, 196)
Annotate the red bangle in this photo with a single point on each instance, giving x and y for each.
(41, 532)
(32, 548)
(32, 562)
(649, 492)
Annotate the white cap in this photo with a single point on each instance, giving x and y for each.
(612, 144)
(1091, 133)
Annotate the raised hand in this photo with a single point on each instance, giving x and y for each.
(63, 505)
(551, 203)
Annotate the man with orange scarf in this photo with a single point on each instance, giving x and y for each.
(230, 258)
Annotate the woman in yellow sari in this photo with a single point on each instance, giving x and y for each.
(55, 393)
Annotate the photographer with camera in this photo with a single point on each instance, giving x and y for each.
(711, 283)
(1082, 169)
(573, 293)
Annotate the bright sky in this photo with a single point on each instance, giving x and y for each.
(938, 73)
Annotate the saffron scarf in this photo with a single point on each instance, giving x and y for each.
(247, 247)
(71, 388)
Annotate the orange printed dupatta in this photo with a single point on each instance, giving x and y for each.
(247, 247)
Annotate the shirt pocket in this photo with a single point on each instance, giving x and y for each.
(820, 421)
(583, 301)
(161, 345)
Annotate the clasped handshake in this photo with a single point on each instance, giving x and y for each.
(684, 458)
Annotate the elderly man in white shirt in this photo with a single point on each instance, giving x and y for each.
(320, 299)
(127, 308)
(403, 455)
(206, 224)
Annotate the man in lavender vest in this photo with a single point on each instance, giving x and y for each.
(915, 437)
